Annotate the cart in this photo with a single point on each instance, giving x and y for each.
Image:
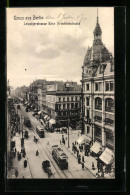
(46, 167)
(26, 134)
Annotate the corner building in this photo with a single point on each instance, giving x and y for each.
(98, 92)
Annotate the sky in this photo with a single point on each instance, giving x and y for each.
(53, 52)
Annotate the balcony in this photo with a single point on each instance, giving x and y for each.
(109, 122)
(109, 109)
(98, 119)
(98, 107)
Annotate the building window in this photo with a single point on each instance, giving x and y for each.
(64, 113)
(76, 99)
(109, 105)
(59, 99)
(63, 106)
(98, 119)
(68, 106)
(107, 86)
(87, 101)
(76, 105)
(72, 99)
(87, 113)
(109, 137)
(59, 106)
(111, 86)
(96, 86)
(72, 105)
(98, 103)
(98, 133)
(109, 121)
(87, 87)
(67, 99)
(88, 129)
(63, 99)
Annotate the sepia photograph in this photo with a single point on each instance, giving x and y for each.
(60, 102)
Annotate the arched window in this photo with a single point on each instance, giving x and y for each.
(109, 105)
(98, 103)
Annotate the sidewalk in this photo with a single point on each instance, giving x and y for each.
(19, 165)
(87, 160)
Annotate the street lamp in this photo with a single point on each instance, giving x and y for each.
(22, 139)
(68, 130)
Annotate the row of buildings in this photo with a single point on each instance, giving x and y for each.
(93, 102)
(61, 100)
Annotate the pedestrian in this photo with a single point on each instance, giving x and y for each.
(15, 150)
(98, 166)
(102, 174)
(97, 176)
(83, 165)
(25, 163)
(60, 142)
(79, 159)
(14, 154)
(16, 172)
(82, 158)
(77, 153)
(19, 156)
(93, 167)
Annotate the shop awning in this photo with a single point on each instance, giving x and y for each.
(84, 139)
(96, 147)
(52, 121)
(39, 112)
(46, 116)
(107, 156)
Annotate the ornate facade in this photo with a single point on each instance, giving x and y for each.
(98, 92)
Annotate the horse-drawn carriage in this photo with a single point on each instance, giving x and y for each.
(46, 167)
(26, 134)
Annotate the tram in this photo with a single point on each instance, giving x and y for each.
(40, 131)
(60, 157)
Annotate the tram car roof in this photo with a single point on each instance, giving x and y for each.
(40, 127)
(59, 151)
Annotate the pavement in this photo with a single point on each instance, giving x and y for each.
(19, 165)
(34, 168)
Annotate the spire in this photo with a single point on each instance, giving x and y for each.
(97, 31)
(97, 15)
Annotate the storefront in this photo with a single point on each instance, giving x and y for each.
(107, 159)
(96, 149)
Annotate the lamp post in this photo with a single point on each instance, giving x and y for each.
(22, 126)
(82, 101)
(22, 139)
(68, 130)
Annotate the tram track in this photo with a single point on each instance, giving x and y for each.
(44, 148)
(49, 157)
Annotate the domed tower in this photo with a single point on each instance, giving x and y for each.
(97, 31)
